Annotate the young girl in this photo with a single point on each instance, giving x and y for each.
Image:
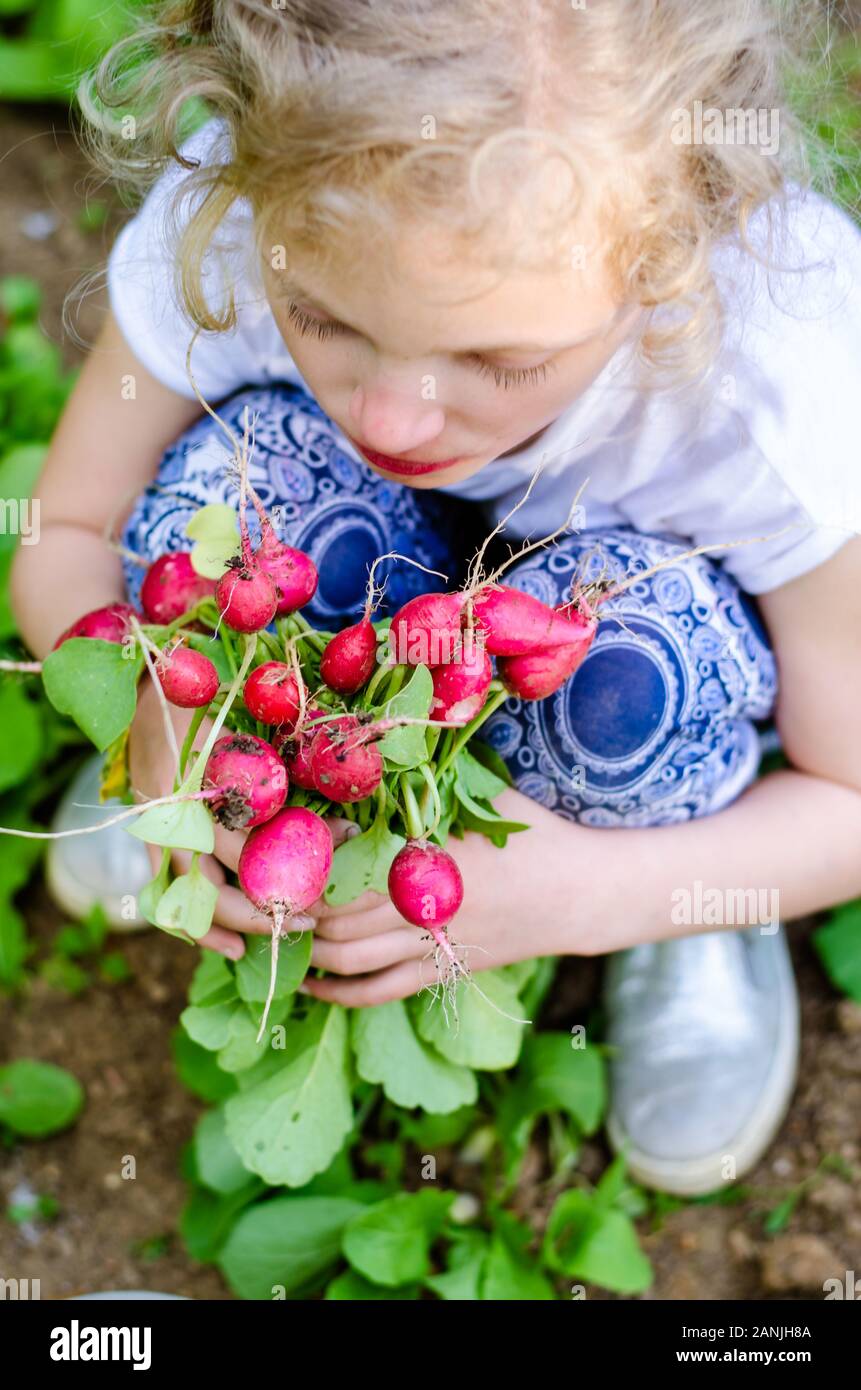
(436, 245)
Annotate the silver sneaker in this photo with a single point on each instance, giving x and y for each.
(706, 1036)
(110, 867)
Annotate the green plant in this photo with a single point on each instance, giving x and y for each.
(37, 748)
(37, 1099)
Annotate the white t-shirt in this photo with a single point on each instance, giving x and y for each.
(774, 444)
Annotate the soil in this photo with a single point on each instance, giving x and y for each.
(112, 1232)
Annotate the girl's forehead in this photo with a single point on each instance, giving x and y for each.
(434, 292)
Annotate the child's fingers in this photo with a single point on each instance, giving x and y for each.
(209, 867)
(366, 902)
(352, 927)
(369, 953)
(398, 982)
(234, 911)
(224, 943)
(228, 846)
(342, 829)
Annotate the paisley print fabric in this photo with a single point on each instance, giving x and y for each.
(657, 726)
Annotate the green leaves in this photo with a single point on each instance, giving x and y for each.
(252, 971)
(37, 1098)
(509, 1275)
(407, 747)
(362, 863)
(94, 683)
(21, 743)
(285, 1244)
(218, 1165)
(590, 1240)
(17, 858)
(390, 1242)
(553, 1077)
(838, 945)
(180, 825)
(290, 1125)
(188, 904)
(472, 786)
(410, 1071)
(489, 1029)
(216, 539)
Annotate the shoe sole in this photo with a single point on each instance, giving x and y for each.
(694, 1177)
(76, 900)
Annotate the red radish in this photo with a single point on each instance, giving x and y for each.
(460, 689)
(426, 631)
(283, 868)
(350, 657)
(514, 622)
(246, 597)
(426, 887)
(172, 586)
(271, 694)
(251, 777)
(296, 753)
(425, 884)
(295, 748)
(111, 624)
(293, 573)
(284, 865)
(187, 677)
(537, 674)
(345, 765)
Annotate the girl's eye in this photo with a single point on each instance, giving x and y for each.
(509, 377)
(317, 328)
(506, 377)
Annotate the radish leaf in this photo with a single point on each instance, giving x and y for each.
(95, 683)
(410, 1071)
(182, 825)
(290, 1125)
(362, 863)
(390, 1242)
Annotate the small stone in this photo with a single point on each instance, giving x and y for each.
(830, 1194)
(689, 1240)
(782, 1167)
(740, 1244)
(464, 1209)
(799, 1262)
(112, 1181)
(849, 1017)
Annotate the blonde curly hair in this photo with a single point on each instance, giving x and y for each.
(346, 113)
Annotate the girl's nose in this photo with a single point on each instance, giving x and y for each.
(391, 422)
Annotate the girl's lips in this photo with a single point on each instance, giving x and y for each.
(402, 466)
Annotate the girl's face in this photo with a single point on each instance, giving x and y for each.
(434, 367)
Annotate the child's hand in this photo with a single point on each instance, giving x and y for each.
(511, 910)
(152, 769)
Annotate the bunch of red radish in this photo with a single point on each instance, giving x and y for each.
(317, 742)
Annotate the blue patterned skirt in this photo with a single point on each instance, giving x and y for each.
(657, 726)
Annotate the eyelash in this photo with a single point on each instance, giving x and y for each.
(506, 377)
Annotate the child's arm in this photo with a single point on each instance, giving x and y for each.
(104, 451)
